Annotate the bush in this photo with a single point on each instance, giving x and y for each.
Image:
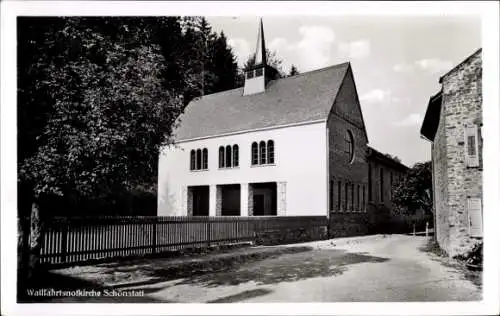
(475, 256)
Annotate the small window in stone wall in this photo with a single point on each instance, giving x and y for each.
(471, 146)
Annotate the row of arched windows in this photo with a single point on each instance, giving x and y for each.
(199, 159)
(347, 197)
(228, 156)
(263, 153)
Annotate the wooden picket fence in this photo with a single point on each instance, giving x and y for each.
(76, 240)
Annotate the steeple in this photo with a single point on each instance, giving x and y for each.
(257, 76)
(260, 51)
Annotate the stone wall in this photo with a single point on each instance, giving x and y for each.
(281, 198)
(461, 107)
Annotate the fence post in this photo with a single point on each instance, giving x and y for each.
(413, 229)
(426, 229)
(154, 236)
(64, 241)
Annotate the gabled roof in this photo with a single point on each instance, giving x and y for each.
(374, 154)
(432, 116)
(459, 64)
(302, 98)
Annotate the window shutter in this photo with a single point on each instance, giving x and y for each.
(475, 214)
(471, 146)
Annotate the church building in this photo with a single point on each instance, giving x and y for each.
(292, 146)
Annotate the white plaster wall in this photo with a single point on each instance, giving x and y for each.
(300, 161)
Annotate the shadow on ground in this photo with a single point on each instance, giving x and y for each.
(476, 277)
(262, 266)
(285, 268)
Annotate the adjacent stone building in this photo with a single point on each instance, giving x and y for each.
(452, 124)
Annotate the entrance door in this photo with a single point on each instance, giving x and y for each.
(200, 201)
(258, 204)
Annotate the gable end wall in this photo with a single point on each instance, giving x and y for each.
(462, 106)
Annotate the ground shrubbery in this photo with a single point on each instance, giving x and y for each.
(475, 257)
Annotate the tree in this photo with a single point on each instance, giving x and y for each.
(207, 57)
(293, 71)
(107, 110)
(415, 191)
(272, 60)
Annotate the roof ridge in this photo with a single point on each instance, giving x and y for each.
(317, 70)
(279, 79)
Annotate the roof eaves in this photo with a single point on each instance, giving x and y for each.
(251, 130)
(429, 124)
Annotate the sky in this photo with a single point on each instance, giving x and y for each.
(396, 61)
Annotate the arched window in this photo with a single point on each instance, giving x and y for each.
(255, 153)
(358, 205)
(198, 159)
(339, 195)
(228, 156)
(346, 197)
(352, 198)
(262, 152)
(221, 157)
(270, 151)
(205, 158)
(192, 165)
(349, 145)
(236, 156)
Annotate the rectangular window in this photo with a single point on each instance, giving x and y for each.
(381, 185)
(475, 214)
(471, 146)
(339, 195)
